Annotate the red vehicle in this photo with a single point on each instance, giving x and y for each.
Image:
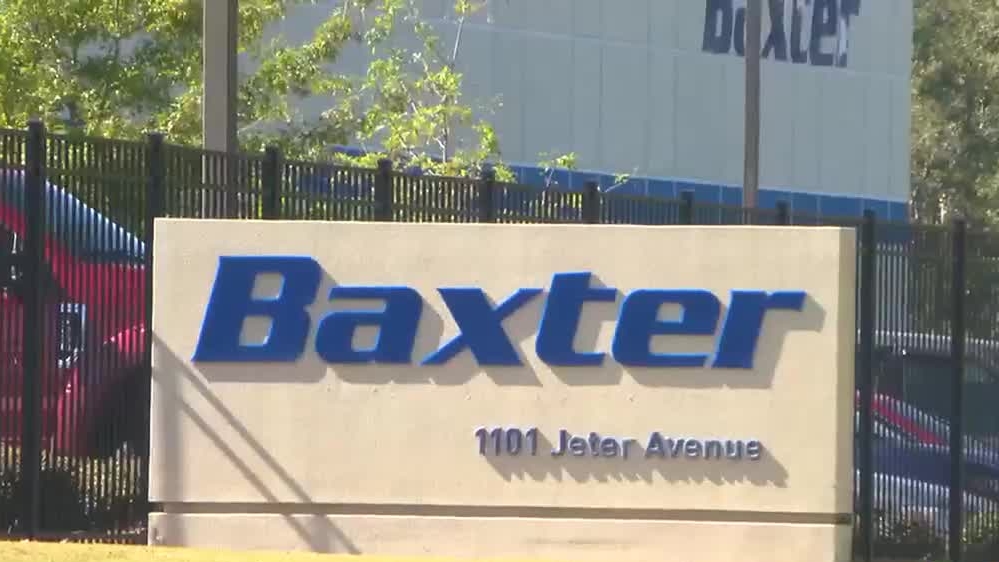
(93, 292)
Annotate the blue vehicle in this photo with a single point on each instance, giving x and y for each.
(912, 466)
(916, 368)
(914, 444)
(913, 379)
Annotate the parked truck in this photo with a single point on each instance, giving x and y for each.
(92, 291)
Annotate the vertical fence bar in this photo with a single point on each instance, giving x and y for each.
(868, 278)
(687, 207)
(33, 327)
(487, 196)
(783, 213)
(271, 182)
(383, 191)
(591, 202)
(957, 355)
(155, 207)
(155, 203)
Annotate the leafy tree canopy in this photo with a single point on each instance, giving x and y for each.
(955, 111)
(119, 68)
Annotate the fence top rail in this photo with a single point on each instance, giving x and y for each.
(194, 152)
(13, 132)
(341, 173)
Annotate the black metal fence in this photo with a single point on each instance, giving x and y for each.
(75, 296)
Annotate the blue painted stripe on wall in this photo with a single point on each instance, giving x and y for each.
(731, 196)
(881, 209)
(898, 212)
(702, 192)
(662, 188)
(800, 202)
(805, 203)
(769, 198)
(833, 206)
(634, 186)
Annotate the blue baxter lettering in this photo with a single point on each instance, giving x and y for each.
(561, 318)
(397, 324)
(231, 303)
(479, 323)
(725, 25)
(481, 326)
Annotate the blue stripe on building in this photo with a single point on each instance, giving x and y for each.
(800, 202)
(803, 203)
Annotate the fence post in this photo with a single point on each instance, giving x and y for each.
(155, 207)
(783, 213)
(487, 196)
(868, 278)
(271, 182)
(383, 191)
(33, 326)
(686, 207)
(957, 354)
(591, 202)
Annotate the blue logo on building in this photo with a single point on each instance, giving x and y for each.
(479, 321)
(799, 33)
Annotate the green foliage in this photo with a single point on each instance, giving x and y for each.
(910, 535)
(77, 494)
(408, 106)
(982, 529)
(955, 152)
(550, 164)
(119, 68)
(109, 68)
(955, 113)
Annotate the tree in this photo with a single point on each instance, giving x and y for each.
(955, 113)
(102, 67)
(408, 105)
(955, 154)
(119, 68)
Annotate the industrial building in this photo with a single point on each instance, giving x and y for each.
(655, 89)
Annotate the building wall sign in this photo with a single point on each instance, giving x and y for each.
(544, 391)
(479, 322)
(815, 32)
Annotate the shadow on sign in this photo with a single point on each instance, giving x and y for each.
(170, 376)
